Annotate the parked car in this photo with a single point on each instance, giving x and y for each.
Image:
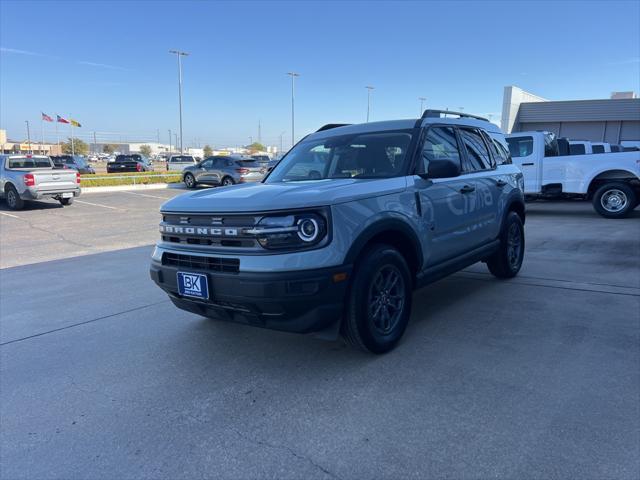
(600, 147)
(75, 162)
(610, 180)
(34, 177)
(130, 163)
(223, 170)
(177, 163)
(580, 147)
(345, 227)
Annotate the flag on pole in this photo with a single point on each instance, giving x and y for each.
(74, 123)
(46, 117)
(62, 120)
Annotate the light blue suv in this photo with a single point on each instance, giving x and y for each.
(345, 227)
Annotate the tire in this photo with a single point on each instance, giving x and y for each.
(614, 200)
(226, 181)
(66, 201)
(190, 181)
(507, 261)
(14, 202)
(377, 315)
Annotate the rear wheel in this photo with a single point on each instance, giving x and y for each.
(507, 261)
(379, 301)
(226, 181)
(614, 200)
(14, 202)
(66, 201)
(190, 180)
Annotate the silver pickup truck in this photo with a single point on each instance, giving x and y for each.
(33, 177)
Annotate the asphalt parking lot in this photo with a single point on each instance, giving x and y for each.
(102, 377)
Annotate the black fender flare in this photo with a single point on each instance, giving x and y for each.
(382, 226)
(515, 203)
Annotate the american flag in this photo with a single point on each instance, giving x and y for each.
(46, 117)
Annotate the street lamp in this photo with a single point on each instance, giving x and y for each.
(179, 55)
(293, 76)
(422, 99)
(170, 140)
(369, 88)
(28, 135)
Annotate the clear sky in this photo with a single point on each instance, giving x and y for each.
(107, 64)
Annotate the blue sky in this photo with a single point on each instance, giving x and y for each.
(106, 63)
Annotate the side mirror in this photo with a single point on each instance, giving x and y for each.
(442, 169)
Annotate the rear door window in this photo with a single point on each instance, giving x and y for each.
(597, 148)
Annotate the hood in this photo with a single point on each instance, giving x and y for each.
(261, 197)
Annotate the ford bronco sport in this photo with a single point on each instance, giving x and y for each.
(345, 227)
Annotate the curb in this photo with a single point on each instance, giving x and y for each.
(124, 188)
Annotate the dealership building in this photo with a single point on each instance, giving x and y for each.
(614, 120)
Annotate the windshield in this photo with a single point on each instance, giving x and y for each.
(24, 162)
(364, 155)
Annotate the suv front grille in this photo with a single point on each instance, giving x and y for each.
(212, 264)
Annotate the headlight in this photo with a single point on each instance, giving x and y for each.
(299, 230)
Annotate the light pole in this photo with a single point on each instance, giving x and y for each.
(281, 134)
(180, 54)
(369, 88)
(28, 136)
(422, 100)
(293, 76)
(170, 140)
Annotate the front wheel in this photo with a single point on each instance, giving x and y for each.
(614, 200)
(379, 301)
(190, 181)
(507, 260)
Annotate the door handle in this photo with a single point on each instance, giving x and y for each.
(467, 189)
(500, 183)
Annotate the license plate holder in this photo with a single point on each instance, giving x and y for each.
(194, 285)
(67, 195)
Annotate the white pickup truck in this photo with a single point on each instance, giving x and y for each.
(34, 177)
(610, 180)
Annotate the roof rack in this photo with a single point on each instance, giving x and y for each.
(439, 113)
(329, 126)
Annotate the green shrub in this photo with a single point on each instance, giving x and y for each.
(132, 178)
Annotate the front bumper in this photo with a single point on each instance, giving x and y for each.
(299, 301)
(35, 194)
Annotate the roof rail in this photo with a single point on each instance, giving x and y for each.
(439, 113)
(329, 126)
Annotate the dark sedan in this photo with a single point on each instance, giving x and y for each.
(129, 163)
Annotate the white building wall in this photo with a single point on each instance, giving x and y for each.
(511, 100)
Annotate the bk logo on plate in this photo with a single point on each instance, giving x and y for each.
(193, 285)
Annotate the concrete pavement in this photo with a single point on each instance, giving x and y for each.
(534, 377)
